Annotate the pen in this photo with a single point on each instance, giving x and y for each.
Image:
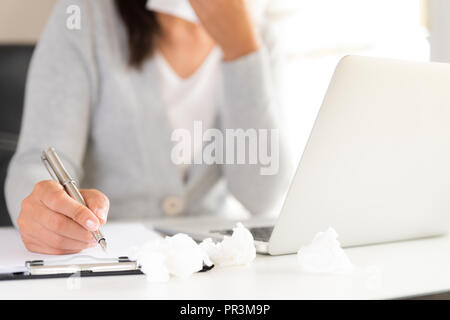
(57, 171)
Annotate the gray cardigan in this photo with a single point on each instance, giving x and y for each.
(110, 128)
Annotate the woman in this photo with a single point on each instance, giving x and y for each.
(107, 97)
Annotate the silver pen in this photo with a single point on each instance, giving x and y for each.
(57, 171)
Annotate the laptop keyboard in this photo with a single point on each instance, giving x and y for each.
(259, 233)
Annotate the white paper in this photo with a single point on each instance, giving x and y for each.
(8, 270)
(120, 237)
(324, 255)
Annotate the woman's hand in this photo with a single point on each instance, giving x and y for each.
(230, 24)
(51, 222)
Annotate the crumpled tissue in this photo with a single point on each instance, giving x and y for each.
(239, 249)
(177, 8)
(178, 255)
(324, 255)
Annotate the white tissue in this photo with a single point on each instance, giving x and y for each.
(324, 255)
(183, 255)
(183, 9)
(179, 256)
(154, 266)
(178, 8)
(239, 249)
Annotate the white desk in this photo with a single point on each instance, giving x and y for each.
(393, 270)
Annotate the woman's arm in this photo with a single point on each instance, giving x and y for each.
(57, 105)
(60, 91)
(250, 101)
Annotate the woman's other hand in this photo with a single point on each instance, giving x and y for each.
(51, 222)
(230, 24)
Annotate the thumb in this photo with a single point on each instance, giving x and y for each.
(97, 202)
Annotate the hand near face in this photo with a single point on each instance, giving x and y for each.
(230, 24)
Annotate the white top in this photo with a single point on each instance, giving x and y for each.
(193, 98)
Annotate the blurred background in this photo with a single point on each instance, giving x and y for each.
(313, 36)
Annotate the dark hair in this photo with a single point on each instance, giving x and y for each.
(142, 26)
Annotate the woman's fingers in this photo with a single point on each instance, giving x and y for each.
(55, 240)
(56, 199)
(203, 9)
(36, 246)
(200, 5)
(97, 202)
(61, 225)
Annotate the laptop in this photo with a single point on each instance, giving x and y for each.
(376, 167)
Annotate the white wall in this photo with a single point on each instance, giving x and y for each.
(22, 21)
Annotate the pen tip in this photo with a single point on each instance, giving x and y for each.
(102, 243)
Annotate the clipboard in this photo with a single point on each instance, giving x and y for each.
(76, 267)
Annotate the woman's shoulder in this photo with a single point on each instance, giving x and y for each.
(88, 6)
(85, 25)
(87, 12)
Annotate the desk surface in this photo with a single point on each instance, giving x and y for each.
(395, 270)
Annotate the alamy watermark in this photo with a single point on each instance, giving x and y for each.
(234, 147)
(73, 21)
